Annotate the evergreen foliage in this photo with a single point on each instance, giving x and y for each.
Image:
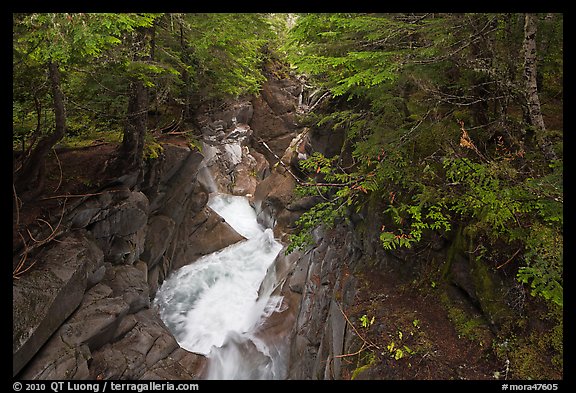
(434, 108)
(430, 106)
(181, 60)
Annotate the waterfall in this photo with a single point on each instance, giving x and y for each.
(215, 305)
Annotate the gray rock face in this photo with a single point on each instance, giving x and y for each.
(309, 331)
(178, 189)
(271, 199)
(44, 298)
(84, 311)
(160, 231)
(119, 229)
(179, 365)
(199, 235)
(116, 330)
(273, 118)
(231, 166)
(93, 324)
(320, 333)
(147, 349)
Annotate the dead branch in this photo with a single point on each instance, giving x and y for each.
(78, 195)
(362, 348)
(179, 132)
(17, 202)
(280, 161)
(17, 273)
(23, 258)
(369, 343)
(510, 259)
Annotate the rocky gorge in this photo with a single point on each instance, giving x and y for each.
(85, 310)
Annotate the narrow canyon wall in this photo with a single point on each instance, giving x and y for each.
(85, 310)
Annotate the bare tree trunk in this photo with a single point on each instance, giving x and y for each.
(132, 146)
(30, 181)
(531, 88)
(185, 75)
(130, 154)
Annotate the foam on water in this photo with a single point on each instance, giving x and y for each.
(212, 306)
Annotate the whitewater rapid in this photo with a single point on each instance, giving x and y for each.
(215, 305)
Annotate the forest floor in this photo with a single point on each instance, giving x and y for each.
(415, 321)
(409, 334)
(71, 173)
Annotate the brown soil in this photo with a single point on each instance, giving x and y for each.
(417, 323)
(70, 174)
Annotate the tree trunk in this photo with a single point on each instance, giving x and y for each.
(185, 75)
(30, 180)
(132, 146)
(129, 158)
(531, 87)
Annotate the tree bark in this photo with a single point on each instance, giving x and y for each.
(531, 87)
(30, 180)
(132, 146)
(185, 75)
(131, 150)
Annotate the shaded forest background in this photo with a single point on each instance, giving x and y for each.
(452, 128)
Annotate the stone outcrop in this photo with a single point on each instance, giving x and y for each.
(309, 331)
(274, 116)
(85, 310)
(48, 295)
(276, 204)
(321, 334)
(232, 165)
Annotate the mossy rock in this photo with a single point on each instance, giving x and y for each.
(491, 295)
(531, 358)
(481, 283)
(538, 354)
(363, 371)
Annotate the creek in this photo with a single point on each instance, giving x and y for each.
(216, 305)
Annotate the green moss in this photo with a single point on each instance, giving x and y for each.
(467, 325)
(538, 355)
(488, 288)
(370, 359)
(556, 336)
(194, 143)
(529, 359)
(456, 246)
(152, 149)
(490, 294)
(88, 138)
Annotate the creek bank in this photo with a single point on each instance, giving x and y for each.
(84, 310)
(465, 304)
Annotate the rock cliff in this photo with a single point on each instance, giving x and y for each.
(85, 311)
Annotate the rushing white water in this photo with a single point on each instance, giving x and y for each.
(213, 305)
